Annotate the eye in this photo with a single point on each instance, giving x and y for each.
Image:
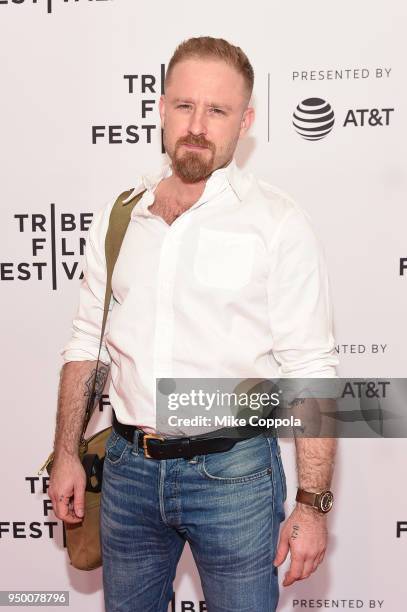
(217, 111)
(184, 106)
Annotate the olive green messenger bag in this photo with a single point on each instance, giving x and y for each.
(83, 539)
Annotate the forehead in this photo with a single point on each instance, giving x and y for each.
(205, 78)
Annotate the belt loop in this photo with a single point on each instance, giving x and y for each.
(135, 449)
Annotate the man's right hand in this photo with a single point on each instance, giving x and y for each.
(67, 489)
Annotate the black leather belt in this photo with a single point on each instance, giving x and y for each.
(157, 447)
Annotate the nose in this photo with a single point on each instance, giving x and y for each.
(197, 123)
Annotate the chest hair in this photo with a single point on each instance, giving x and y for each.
(167, 209)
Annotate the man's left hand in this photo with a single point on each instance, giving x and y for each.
(305, 535)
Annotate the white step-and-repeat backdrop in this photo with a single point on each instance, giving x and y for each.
(80, 83)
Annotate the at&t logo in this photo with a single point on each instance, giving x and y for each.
(313, 118)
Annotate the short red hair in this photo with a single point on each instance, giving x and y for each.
(207, 47)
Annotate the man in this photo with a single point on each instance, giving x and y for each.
(219, 275)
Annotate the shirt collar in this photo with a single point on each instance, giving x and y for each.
(230, 173)
(237, 180)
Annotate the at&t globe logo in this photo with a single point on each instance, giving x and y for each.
(313, 118)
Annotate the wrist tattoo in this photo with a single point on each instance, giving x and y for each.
(295, 532)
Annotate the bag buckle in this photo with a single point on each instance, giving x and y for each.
(147, 437)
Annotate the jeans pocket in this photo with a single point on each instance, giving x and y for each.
(116, 447)
(246, 461)
(282, 473)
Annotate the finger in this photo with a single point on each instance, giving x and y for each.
(63, 510)
(308, 568)
(61, 503)
(295, 571)
(321, 557)
(79, 502)
(318, 559)
(71, 520)
(71, 516)
(282, 551)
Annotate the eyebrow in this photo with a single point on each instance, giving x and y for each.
(210, 104)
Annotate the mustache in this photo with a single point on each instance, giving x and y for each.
(198, 141)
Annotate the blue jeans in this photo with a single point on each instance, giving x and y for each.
(228, 506)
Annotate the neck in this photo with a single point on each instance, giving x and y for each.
(187, 192)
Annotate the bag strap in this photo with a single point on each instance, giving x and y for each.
(118, 222)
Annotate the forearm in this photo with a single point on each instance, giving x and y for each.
(76, 385)
(315, 462)
(316, 447)
(305, 531)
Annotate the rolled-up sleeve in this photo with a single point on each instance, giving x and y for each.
(299, 301)
(86, 326)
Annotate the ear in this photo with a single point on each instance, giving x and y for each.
(161, 106)
(247, 120)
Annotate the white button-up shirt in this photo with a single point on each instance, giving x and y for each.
(235, 287)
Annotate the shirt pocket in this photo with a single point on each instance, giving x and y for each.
(224, 260)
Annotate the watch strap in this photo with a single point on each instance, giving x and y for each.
(307, 497)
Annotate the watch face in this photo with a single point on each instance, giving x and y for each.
(326, 501)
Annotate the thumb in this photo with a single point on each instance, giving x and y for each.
(282, 551)
(79, 502)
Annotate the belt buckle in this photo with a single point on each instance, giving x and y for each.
(145, 438)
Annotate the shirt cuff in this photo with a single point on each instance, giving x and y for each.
(75, 351)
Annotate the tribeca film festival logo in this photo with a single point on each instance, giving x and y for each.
(147, 88)
(34, 530)
(56, 246)
(49, 3)
(313, 119)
